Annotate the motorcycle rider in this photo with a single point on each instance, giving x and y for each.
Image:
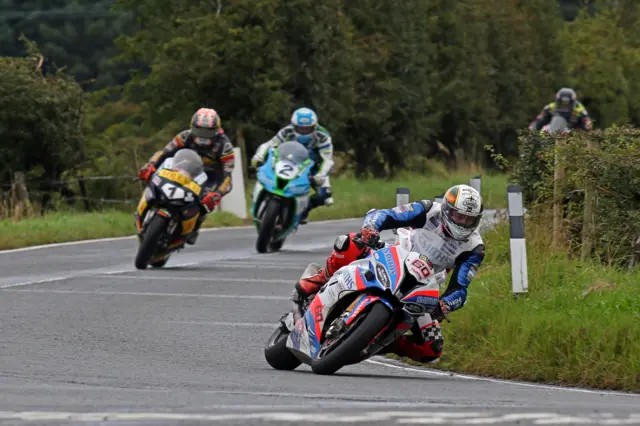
(567, 106)
(448, 238)
(304, 128)
(207, 138)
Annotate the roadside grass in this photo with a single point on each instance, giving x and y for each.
(352, 198)
(577, 326)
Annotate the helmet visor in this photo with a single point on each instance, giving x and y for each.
(304, 130)
(204, 133)
(462, 219)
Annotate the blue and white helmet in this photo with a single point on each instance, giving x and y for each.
(305, 123)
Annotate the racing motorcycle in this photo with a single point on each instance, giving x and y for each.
(281, 194)
(364, 307)
(169, 208)
(558, 124)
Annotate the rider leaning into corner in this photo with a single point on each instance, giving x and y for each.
(567, 106)
(446, 233)
(304, 128)
(207, 138)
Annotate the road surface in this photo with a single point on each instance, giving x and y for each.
(87, 338)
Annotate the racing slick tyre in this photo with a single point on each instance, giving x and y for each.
(267, 225)
(354, 340)
(150, 239)
(277, 354)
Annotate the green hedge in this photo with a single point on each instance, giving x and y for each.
(613, 170)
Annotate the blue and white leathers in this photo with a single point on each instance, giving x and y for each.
(464, 257)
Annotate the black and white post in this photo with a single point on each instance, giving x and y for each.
(476, 183)
(518, 246)
(403, 196)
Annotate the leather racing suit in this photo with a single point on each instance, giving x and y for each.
(320, 151)
(446, 254)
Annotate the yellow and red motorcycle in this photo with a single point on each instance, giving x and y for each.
(169, 208)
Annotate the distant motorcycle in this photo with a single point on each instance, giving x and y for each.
(364, 307)
(281, 194)
(558, 124)
(169, 208)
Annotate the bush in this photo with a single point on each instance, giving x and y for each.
(612, 170)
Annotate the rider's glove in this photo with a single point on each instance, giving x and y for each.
(256, 161)
(368, 236)
(441, 311)
(210, 201)
(146, 171)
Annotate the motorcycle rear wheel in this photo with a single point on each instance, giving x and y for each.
(152, 234)
(277, 354)
(358, 339)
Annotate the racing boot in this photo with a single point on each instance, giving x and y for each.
(345, 251)
(193, 236)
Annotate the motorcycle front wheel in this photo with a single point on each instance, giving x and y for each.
(354, 340)
(152, 234)
(267, 225)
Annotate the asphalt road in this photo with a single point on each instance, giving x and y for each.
(87, 338)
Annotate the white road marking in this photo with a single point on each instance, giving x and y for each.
(178, 278)
(149, 294)
(400, 417)
(499, 381)
(226, 323)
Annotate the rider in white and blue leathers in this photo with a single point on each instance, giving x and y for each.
(305, 129)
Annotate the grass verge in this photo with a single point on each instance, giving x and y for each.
(352, 198)
(577, 326)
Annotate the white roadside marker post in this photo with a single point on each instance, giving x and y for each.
(517, 242)
(235, 201)
(476, 183)
(403, 196)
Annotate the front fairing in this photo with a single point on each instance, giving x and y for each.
(285, 177)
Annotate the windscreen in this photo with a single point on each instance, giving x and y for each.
(293, 151)
(188, 161)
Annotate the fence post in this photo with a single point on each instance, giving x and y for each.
(476, 183)
(235, 201)
(588, 225)
(517, 242)
(558, 206)
(403, 196)
(20, 195)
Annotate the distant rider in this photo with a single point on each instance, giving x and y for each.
(305, 129)
(207, 138)
(448, 238)
(567, 106)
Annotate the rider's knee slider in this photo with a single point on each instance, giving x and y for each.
(342, 243)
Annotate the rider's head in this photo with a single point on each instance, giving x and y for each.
(462, 210)
(566, 99)
(205, 124)
(305, 123)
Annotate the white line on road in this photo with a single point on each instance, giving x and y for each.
(226, 323)
(504, 382)
(178, 278)
(148, 294)
(400, 417)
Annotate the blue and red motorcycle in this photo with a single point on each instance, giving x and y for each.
(364, 307)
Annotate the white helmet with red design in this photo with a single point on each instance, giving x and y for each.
(205, 124)
(462, 210)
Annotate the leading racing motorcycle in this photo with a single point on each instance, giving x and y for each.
(281, 194)
(364, 307)
(169, 208)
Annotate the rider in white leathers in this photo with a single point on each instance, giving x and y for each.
(447, 234)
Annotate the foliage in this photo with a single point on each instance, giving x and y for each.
(43, 136)
(76, 35)
(613, 169)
